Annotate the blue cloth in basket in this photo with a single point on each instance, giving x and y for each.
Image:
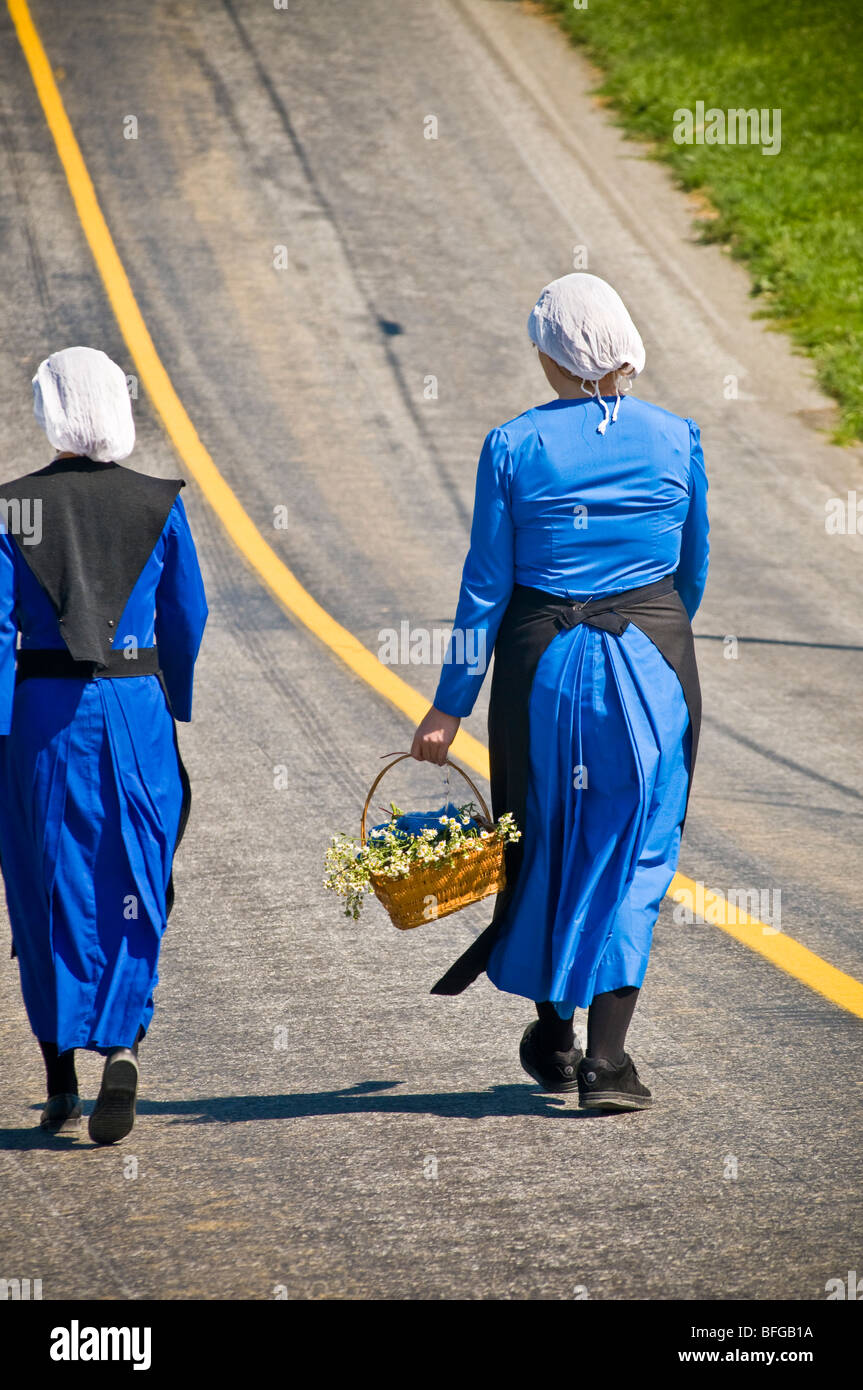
(412, 823)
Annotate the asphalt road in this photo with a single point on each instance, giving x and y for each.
(310, 1117)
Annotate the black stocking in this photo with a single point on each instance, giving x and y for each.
(608, 1018)
(554, 1033)
(59, 1070)
(60, 1067)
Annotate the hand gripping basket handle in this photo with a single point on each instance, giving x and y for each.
(397, 759)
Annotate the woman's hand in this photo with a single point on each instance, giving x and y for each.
(434, 736)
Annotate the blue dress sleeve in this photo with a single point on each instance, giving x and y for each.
(8, 631)
(181, 612)
(691, 574)
(487, 581)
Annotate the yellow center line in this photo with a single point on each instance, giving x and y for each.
(783, 951)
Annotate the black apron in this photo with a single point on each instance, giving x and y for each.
(533, 618)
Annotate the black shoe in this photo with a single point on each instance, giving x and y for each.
(602, 1086)
(554, 1071)
(62, 1113)
(114, 1112)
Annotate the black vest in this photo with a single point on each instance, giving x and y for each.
(99, 523)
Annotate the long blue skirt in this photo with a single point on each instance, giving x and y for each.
(608, 782)
(91, 797)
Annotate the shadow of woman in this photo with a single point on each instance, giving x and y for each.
(367, 1097)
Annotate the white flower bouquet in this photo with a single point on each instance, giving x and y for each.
(421, 865)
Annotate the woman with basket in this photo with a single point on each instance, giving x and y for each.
(588, 559)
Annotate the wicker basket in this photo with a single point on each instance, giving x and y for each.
(437, 890)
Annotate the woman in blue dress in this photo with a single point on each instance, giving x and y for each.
(587, 561)
(99, 576)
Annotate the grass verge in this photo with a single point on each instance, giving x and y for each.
(796, 216)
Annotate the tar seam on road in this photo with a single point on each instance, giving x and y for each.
(781, 950)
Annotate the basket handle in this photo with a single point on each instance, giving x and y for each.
(397, 759)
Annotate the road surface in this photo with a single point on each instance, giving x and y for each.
(310, 1118)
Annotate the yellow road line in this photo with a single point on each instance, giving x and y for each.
(284, 585)
(790, 955)
(782, 950)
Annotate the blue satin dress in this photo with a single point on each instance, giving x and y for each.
(90, 800)
(562, 508)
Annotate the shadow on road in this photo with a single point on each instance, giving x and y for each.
(365, 1098)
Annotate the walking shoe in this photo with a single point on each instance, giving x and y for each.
(602, 1086)
(114, 1112)
(554, 1071)
(62, 1113)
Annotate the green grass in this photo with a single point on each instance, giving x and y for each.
(796, 217)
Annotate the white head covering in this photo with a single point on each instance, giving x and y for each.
(81, 400)
(584, 326)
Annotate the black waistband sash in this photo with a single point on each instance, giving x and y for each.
(532, 620)
(58, 662)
